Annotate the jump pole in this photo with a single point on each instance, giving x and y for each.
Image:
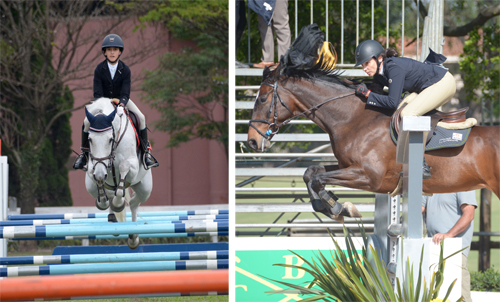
(4, 195)
(113, 284)
(112, 229)
(105, 215)
(103, 220)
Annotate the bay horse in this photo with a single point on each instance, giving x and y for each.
(360, 139)
(114, 163)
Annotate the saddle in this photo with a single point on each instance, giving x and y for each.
(437, 116)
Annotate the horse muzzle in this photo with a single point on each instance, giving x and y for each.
(259, 144)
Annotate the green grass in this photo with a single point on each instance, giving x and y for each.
(246, 218)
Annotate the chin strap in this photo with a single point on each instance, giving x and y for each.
(378, 65)
(113, 62)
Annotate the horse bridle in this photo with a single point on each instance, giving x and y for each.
(274, 126)
(110, 157)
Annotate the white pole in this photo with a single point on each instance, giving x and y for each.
(4, 198)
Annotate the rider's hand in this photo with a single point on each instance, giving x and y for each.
(362, 90)
(119, 110)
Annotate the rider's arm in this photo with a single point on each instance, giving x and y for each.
(125, 90)
(396, 78)
(98, 87)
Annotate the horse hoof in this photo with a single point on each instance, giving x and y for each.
(112, 218)
(117, 209)
(319, 206)
(350, 210)
(133, 241)
(102, 206)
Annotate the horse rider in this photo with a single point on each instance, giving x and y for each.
(112, 80)
(433, 83)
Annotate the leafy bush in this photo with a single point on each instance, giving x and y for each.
(352, 277)
(487, 281)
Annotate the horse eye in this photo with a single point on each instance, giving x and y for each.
(110, 140)
(263, 99)
(90, 140)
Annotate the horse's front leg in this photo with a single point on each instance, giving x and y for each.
(142, 191)
(118, 203)
(316, 202)
(327, 203)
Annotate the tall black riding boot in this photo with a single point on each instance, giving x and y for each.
(81, 160)
(426, 170)
(149, 160)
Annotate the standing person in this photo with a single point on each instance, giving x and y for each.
(273, 17)
(451, 215)
(433, 85)
(241, 21)
(112, 80)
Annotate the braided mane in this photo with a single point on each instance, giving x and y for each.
(310, 57)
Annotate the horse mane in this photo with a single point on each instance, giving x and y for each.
(101, 105)
(312, 58)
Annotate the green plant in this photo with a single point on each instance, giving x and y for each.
(487, 281)
(351, 277)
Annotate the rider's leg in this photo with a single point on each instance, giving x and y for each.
(429, 99)
(81, 159)
(146, 147)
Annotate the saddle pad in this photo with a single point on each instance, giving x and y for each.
(441, 138)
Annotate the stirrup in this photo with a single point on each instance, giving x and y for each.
(150, 156)
(82, 161)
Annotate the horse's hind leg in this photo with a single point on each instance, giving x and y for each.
(325, 201)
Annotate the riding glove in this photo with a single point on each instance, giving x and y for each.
(362, 90)
(119, 110)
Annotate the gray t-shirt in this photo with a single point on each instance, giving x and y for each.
(443, 211)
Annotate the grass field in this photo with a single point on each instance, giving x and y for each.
(242, 218)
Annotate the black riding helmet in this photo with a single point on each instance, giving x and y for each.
(112, 40)
(366, 50)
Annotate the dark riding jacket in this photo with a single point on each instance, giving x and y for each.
(403, 74)
(116, 88)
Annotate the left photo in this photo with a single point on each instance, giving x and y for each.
(114, 150)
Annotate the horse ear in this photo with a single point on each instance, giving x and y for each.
(111, 116)
(89, 115)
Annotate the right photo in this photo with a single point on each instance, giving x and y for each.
(367, 150)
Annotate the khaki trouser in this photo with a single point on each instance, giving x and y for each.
(465, 280)
(431, 97)
(130, 106)
(279, 24)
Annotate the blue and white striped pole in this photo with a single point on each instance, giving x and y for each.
(110, 229)
(105, 215)
(104, 220)
(121, 257)
(113, 267)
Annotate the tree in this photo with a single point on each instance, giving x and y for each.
(41, 42)
(190, 88)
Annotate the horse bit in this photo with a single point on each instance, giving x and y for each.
(274, 126)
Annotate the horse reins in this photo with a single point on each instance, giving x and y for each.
(274, 126)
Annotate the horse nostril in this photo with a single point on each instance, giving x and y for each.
(252, 143)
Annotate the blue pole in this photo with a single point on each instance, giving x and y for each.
(114, 267)
(111, 229)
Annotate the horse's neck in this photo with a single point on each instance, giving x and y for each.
(125, 134)
(332, 115)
